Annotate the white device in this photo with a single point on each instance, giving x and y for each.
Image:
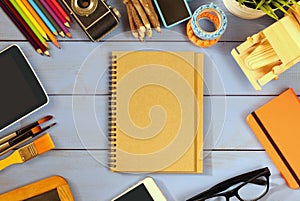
(145, 190)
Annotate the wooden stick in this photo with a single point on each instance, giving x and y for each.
(131, 22)
(143, 16)
(155, 23)
(138, 23)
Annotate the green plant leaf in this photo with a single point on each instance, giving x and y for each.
(269, 11)
(260, 4)
(277, 5)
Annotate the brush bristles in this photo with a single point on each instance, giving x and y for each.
(43, 144)
(44, 119)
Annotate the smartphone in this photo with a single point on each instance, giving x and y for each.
(145, 190)
(173, 12)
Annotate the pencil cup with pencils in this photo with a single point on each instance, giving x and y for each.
(95, 17)
(141, 15)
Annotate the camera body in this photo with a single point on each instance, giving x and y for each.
(95, 17)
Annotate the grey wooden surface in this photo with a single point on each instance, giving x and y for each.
(79, 100)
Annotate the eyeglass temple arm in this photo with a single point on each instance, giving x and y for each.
(229, 182)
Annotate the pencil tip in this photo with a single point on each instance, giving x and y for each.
(67, 24)
(56, 44)
(68, 18)
(47, 53)
(69, 35)
(62, 34)
(39, 51)
(55, 33)
(46, 37)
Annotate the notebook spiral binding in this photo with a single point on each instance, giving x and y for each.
(112, 111)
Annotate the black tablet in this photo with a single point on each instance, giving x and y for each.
(21, 91)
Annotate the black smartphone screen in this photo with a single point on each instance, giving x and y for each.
(173, 10)
(21, 92)
(139, 193)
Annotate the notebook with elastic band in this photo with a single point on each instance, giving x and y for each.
(276, 125)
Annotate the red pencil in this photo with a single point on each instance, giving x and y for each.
(23, 27)
(57, 13)
(61, 10)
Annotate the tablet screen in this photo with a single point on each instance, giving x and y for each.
(21, 91)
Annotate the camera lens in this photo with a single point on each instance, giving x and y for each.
(83, 3)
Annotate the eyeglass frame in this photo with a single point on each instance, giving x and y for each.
(248, 177)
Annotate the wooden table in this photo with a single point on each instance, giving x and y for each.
(80, 136)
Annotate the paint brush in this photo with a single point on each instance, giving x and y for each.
(24, 129)
(27, 152)
(14, 142)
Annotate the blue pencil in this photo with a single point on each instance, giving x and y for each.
(43, 17)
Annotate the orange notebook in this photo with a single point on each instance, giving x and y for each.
(277, 126)
(156, 113)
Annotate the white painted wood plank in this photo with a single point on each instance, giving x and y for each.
(90, 180)
(8, 31)
(82, 122)
(67, 67)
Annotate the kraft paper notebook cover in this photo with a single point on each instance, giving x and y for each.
(276, 124)
(156, 112)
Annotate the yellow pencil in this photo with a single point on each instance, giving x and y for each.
(41, 23)
(31, 18)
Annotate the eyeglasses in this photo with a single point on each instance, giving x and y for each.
(250, 186)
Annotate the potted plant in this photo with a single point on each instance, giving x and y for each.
(252, 9)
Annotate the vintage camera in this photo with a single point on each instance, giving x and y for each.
(95, 17)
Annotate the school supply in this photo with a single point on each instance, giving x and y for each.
(144, 137)
(32, 20)
(49, 17)
(22, 91)
(141, 16)
(43, 17)
(272, 51)
(27, 152)
(56, 18)
(43, 26)
(23, 27)
(61, 10)
(276, 125)
(54, 188)
(199, 36)
(25, 128)
(146, 190)
(173, 12)
(248, 186)
(21, 138)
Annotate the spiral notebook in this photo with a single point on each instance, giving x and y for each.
(276, 125)
(156, 112)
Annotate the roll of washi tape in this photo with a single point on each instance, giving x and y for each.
(197, 41)
(198, 35)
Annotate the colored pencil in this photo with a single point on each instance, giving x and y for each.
(23, 30)
(28, 22)
(57, 20)
(40, 22)
(43, 17)
(61, 10)
(31, 18)
(41, 7)
(58, 14)
(26, 27)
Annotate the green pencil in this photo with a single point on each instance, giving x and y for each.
(26, 19)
